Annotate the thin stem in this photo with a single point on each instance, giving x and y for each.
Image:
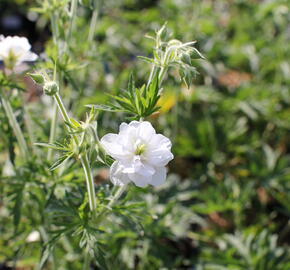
(73, 11)
(53, 125)
(162, 73)
(84, 158)
(29, 128)
(117, 195)
(15, 126)
(52, 129)
(152, 72)
(87, 259)
(93, 25)
(90, 182)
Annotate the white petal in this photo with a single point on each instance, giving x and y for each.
(134, 124)
(159, 177)
(123, 127)
(117, 177)
(139, 180)
(142, 168)
(158, 157)
(136, 165)
(160, 141)
(111, 144)
(145, 131)
(29, 56)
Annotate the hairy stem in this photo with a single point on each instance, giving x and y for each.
(90, 182)
(83, 158)
(161, 75)
(52, 129)
(15, 126)
(151, 76)
(53, 125)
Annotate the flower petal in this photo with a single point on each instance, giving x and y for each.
(145, 131)
(111, 144)
(117, 177)
(159, 157)
(139, 180)
(159, 177)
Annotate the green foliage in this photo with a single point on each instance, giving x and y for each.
(225, 204)
(138, 102)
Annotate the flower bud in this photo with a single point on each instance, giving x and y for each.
(38, 78)
(50, 88)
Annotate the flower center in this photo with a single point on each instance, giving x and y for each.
(140, 149)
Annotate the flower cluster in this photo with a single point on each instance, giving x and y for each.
(15, 50)
(141, 155)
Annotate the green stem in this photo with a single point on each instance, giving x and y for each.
(152, 72)
(84, 158)
(90, 182)
(87, 259)
(117, 195)
(29, 128)
(93, 25)
(53, 127)
(16, 128)
(73, 11)
(162, 73)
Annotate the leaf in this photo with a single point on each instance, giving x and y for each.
(60, 161)
(146, 59)
(102, 107)
(53, 146)
(44, 257)
(131, 85)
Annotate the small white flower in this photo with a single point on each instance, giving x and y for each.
(33, 236)
(15, 49)
(141, 155)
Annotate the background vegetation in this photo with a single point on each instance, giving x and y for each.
(226, 203)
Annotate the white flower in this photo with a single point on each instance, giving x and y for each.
(15, 50)
(33, 236)
(141, 155)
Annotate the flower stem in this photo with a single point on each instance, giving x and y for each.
(53, 125)
(52, 129)
(73, 11)
(117, 195)
(162, 73)
(152, 72)
(93, 25)
(90, 182)
(16, 128)
(83, 158)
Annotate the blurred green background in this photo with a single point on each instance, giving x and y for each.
(226, 203)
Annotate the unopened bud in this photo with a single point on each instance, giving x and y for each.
(50, 88)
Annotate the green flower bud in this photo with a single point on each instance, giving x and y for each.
(50, 88)
(38, 78)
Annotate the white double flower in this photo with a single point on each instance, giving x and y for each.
(16, 49)
(141, 155)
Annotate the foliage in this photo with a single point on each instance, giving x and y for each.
(226, 202)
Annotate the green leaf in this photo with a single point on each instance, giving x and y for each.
(60, 161)
(54, 146)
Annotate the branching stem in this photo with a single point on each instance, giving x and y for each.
(84, 157)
